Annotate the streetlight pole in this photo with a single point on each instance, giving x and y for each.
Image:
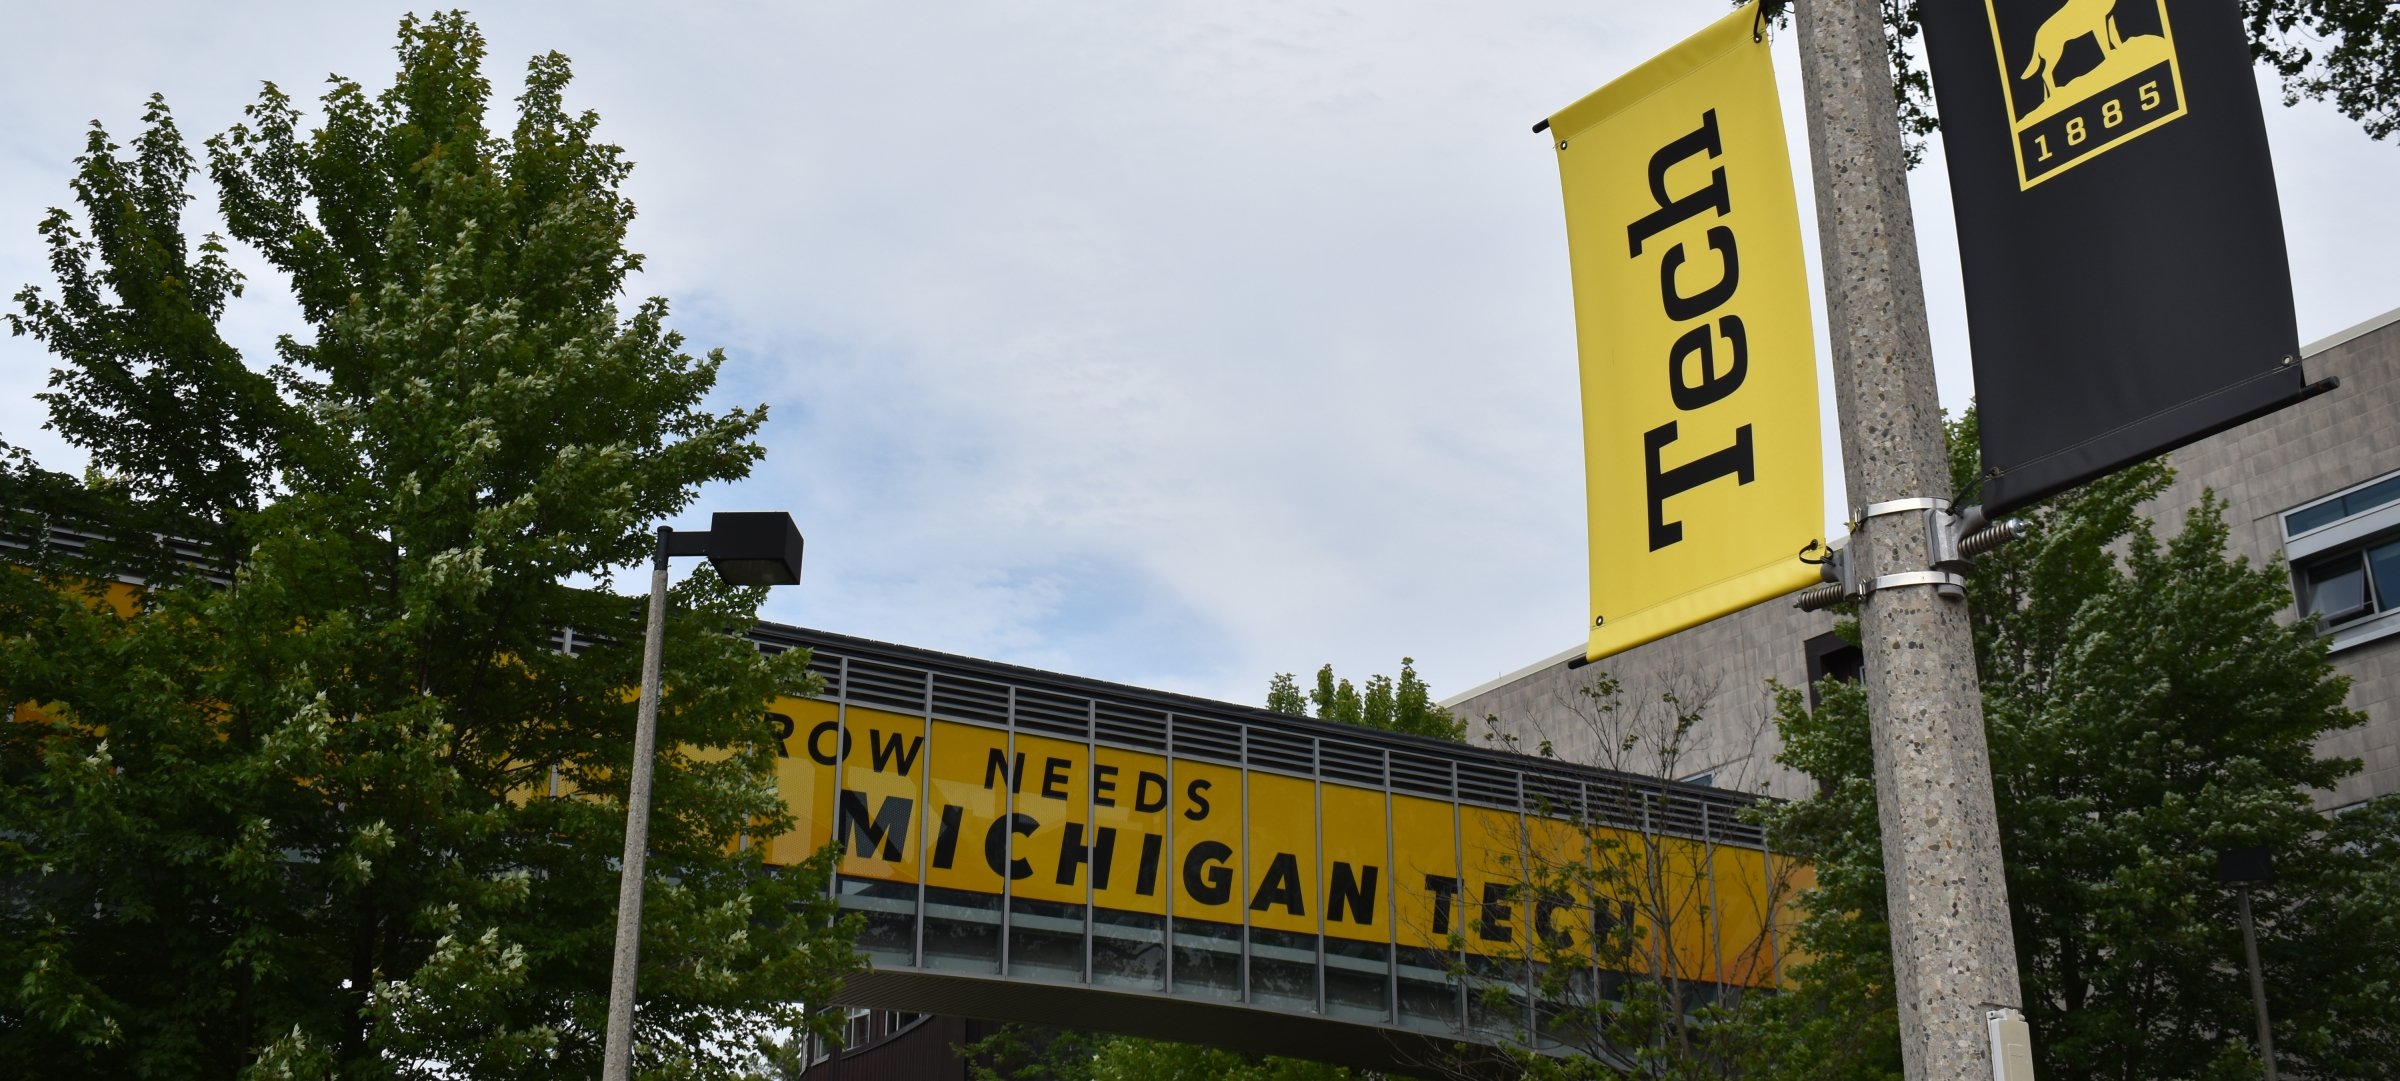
(618, 1066)
(2258, 984)
(747, 548)
(1953, 957)
(2244, 868)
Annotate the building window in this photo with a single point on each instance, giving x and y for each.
(2353, 583)
(1831, 657)
(2350, 504)
(858, 1030)
(2344, 551)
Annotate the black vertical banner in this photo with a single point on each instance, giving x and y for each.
(2127, 287)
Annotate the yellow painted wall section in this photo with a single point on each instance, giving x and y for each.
(1560, 912)
(804, 760)
(1050, 790)
(1425, 850)
(1356, 882)
(1209, 869)
(881, 783)
(964, 815)
(1283, 853)
(1129, 831)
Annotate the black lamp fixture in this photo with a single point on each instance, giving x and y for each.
(749, 548)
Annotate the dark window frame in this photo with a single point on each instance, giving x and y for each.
(1830, 654)
(2343, 551)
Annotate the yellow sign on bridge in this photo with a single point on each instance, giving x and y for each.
(985, 810)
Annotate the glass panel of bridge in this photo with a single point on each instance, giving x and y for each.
(1428, 912)
(1284, 901)
(1496, 995)
(1356, 888)
(1051, 857)
(1356, 987)
(1045, 940)
(1566, 1009)
(1208, 959)
(966, 812)
(1428, 996)
(1283, 970)
(1207, 880)
(887, 913)
(1129, 949)
(1129, 868)
(962, 931)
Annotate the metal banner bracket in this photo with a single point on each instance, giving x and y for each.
(1952, 540)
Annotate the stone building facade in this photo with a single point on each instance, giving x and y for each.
(2316, 485)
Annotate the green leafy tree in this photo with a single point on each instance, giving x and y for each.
(2145, 709)
(1020, 1053)
(1393, 705)
(331, 803)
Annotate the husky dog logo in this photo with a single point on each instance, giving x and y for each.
(2096, 18)
(2082, 78)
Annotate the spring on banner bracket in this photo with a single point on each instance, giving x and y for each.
(1952, 541)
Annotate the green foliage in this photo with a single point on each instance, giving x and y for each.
(2144, 710)
(1836, 1021)
(2338, 50)
(1404, 705)
(1152, 1060)
(350, 814)
(150, 390)
(1019, 1053)
(1029, 1053)
(1283, 694)
(1022, 1053)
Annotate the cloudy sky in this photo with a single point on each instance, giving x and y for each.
(1168, 343)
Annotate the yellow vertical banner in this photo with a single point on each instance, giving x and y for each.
(1701, 445)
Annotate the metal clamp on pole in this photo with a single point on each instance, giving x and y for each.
(1952, 540)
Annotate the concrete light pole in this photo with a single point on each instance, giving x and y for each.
(748, 549)
(1952, 953)
(2243, 868)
